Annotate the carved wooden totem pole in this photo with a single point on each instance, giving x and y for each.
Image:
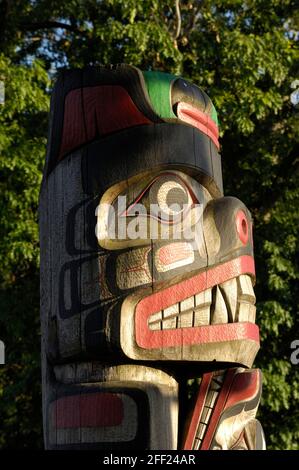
(146, 271)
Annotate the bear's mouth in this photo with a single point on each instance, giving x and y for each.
(231, 301)
(213, 306)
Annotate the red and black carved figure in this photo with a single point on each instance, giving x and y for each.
(132, 303)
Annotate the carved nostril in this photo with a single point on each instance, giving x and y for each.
(242, 226)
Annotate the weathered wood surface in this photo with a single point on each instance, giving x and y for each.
(109, 301)
(119, 407)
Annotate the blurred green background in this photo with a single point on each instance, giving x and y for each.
(245, 55)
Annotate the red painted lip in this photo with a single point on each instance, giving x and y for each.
(149, 339)
(198, 119)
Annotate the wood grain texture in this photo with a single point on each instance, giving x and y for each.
(107, 299)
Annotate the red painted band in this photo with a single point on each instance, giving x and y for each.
(201, 397)
(87, 410)
(188, 113)
(218, 409)
(198, 335)
(149, 339)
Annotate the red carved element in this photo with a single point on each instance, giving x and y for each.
(96, 111)
(245, 387)
(74, 132)
(218, 409)
(87, 410)
(188, 113)
(240, 387)
(196, 335)
(242, 226)
(149, 339)
(200, 401)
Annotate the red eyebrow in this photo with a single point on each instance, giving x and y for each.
(188, 113)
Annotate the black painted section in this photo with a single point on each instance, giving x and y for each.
(132, 151)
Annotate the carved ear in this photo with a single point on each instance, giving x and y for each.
(90, 103)
(93, 103)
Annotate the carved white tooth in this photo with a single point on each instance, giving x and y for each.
(211, 398)
(197, 444)
(169, 324)
(205, 416)
(170, 317)
(187, 303)
(155, 317)
(155, 326)
(230, 293)
(185, 320)
(219, 314)
(203, 298)
(246, 312)
(252, 314)
(203, 302)
(243, 312)
(201, 430)
(202, 316)
(154, 321)
(172, 310)
(246, 288)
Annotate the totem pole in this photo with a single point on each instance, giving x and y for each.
(146, 271)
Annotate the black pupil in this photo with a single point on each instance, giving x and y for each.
(176, 196)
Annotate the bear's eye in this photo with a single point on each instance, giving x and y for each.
(166, 198)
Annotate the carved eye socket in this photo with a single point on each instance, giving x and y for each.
(167, 198)
(171, 196)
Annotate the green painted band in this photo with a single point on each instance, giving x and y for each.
(158, 87)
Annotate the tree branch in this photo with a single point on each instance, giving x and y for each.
(179, 21)
(49, 25)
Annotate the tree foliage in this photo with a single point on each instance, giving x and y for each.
(244, 53)
(22, 143)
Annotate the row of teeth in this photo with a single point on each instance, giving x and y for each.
(230, 302)
(209, 405)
